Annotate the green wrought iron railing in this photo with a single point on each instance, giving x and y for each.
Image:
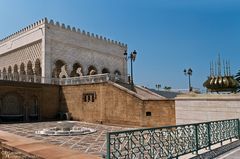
(171, 141)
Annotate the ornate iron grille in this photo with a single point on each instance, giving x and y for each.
(169, 142)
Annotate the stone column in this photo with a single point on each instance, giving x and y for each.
(43, 60)
(47, 57)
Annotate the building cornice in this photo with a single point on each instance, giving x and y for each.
(62, 26)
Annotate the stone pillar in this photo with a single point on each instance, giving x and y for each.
(43, 59)
(47, 58)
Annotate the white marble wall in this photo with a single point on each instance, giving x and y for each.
(72, 47)
(201, 108)
(23, 46)
(57, 42)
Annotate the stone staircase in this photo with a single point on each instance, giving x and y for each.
(138, 91)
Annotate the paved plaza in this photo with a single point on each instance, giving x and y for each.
(94, 143)
(234, 154)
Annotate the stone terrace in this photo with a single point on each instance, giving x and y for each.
(94, 143)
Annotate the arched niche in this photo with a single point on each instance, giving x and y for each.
(38, 69)
(117, 72)
(117, 75)
(22, 69)
(10, 73)
(30, 72)
(33, 108)
(12, 107)
(29, 68)
(76, 70)
(92, 70)
(15, 68)
(58, 68)
(10, 70)
(4, 73)
(15, 72)
(105, 70)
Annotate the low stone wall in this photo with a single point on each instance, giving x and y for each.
(23, 101)
(192, 108)
(108, 104)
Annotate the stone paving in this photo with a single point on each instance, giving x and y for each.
(94, 143)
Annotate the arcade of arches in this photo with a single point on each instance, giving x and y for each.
(60, 70)
(19, 71)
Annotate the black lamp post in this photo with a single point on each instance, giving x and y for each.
(158, 86)
(189, 74)
(132, 57)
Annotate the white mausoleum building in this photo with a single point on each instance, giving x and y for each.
(50, 49)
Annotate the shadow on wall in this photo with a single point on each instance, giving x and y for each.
(16, 108)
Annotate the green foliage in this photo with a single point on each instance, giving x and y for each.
(167, 88)
(237, 77)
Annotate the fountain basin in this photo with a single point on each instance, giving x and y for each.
(65, 125)
(65, 128)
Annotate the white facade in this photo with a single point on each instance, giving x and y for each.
(207, 107)
(55, 45)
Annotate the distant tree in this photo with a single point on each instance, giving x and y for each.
(167, 88)
(237, 77)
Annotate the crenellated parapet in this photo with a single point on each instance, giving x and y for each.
(63, 26)
(29, 27)
(83, 32)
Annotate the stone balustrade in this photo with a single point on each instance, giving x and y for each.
(98, 78)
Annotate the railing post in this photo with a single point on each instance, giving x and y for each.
(209, 135)
(1, 150)
(238, 128)
(222, 127)
(108, 145)
(196, 135)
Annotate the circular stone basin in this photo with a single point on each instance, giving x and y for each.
(65, 125)
(65, 128)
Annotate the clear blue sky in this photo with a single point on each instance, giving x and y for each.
(169, 35)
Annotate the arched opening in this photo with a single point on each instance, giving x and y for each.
(33, 109)
(105, 70)
(22, 69)
(11, 108)
(15, 68)
(10, 73)
(76, 70)
(117, 75)
(4, 73)
(9, 70)
(59, 68)
(29, 68)
(15, 72)
(116, 72)
(22, 72)
(30, 71)
(38, 69)
(92, 70)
